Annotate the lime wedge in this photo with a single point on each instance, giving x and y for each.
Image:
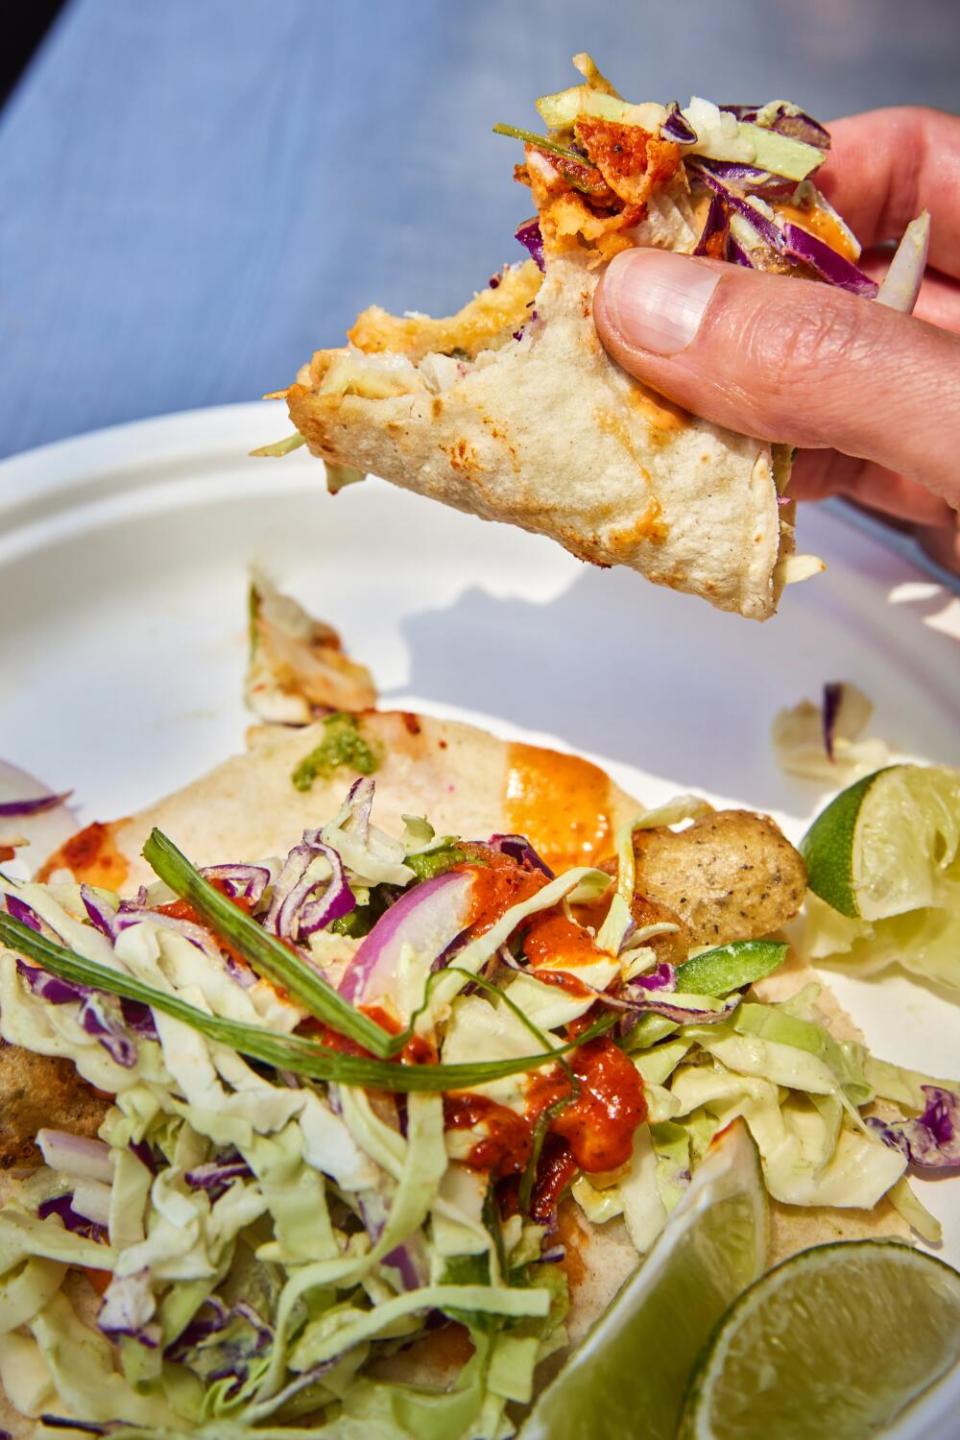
(834, 1342)
(885, 854)
(886, 844)
(631, 1368)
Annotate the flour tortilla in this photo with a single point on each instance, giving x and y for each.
(247, 808)
(455, 774)
(548, 433)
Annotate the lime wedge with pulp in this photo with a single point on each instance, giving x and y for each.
(886, 844)
(627, 1376)
(834, 1342)
(885, 854)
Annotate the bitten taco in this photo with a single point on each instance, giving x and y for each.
(512, 410)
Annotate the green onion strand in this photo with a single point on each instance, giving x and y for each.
(281, 1051)
(265, 954)
(542, 142)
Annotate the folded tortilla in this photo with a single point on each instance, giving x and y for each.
(541, 429)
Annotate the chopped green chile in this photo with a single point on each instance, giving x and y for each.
(342, 744)
(729, 967)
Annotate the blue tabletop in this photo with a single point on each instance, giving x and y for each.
(198, 193)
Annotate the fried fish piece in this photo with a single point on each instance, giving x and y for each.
(732, 875)
(38, 1091)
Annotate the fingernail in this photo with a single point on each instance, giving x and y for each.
(656, 299)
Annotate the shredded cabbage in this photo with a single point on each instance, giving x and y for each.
(268, 1238)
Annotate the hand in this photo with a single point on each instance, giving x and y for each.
(871, 397)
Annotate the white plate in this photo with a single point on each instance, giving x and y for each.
(123, 567)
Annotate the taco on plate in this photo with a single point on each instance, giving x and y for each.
(393, 1082)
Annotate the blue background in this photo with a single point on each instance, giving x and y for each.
(198, 193)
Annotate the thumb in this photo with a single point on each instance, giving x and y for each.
(790, 360)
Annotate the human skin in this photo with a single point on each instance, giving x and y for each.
(870, 397)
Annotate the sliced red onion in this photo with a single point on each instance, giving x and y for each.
(830, 709)
(930, 1141)
(677, 127)
(427, 917)
(297, 909)
(900, 286)
(76, 1155)
(60, 1205)
(518, 848)
(799, 244)
(714, 224)
(44, 820)
(248, 881)
(531, 238)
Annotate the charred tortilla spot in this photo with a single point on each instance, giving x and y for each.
(648, 526)
(463, 456)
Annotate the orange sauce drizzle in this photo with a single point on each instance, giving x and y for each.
(92, 855)
(561, 803)
(820, 223)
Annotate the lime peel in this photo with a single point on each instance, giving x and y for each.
(828, 847)
(835, 1341)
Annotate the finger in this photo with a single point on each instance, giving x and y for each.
(886, 166)
(818, 474)
(787, 359)
(942, 544)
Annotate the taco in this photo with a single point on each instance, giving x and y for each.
(511, 409)
(287, 1227)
